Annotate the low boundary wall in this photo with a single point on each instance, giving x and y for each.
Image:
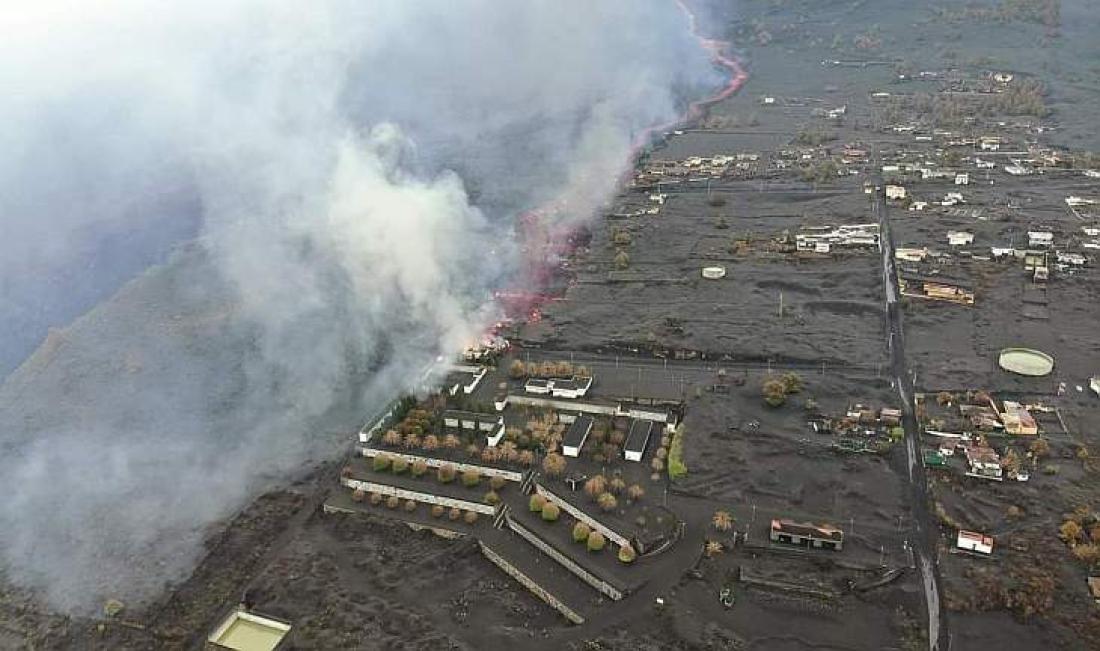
(596, 525)
(566, 562)
(432, 462)
(427, 498)
(530, 584)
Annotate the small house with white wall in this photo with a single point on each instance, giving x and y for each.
(637, 440)
(576, 435)
(973, 541)
(895, 192)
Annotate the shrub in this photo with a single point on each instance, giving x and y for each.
(550, 512)
(517, 369)
(437, 511)
(792, 382)
(676, 467)
(382, 462)
(774, 392)
(375, 498)
(391, 437)
(617, 437)
(490, 455)
(1040, 448)
(358, 495)
(554, 464)
(470, 478)
(496, 482)
(399, 466)
(470, 517)
(392, 502)
(536, 503)
(622, 260)
(1070, 532)
(596, 541)
(473, 451)
(412, 440)
(446, 473)
(410, 505)
(1088, 554)
(345, 472)
(451, 442)
(431, 442)
(616, 485)
(418, 468)
(491, 498)
(635, 492)
(627, 554)
(581, 531)
(662, 453)
(595, 486)
(526, 458)
(607, 502)
(657, 465)
(454, 514)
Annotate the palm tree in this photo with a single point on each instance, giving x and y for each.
(635, 492)
(722, 521)
(451, 442)
(616, 485)
(526, 458)
(712, 548)
(431, 442)
(412, 440)
(391, 437)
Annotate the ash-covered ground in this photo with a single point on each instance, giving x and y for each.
(351, 584)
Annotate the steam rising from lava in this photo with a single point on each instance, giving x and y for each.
(351, 171)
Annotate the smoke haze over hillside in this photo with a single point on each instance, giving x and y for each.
(350, 171)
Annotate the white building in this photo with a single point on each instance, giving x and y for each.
(1037, 239)
(959, 238)
(962, 178)
(637, 440)
(576, 435)
(895, 192)
(973, 541)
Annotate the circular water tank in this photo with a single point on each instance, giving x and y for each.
(1025, 361)
(714, 273)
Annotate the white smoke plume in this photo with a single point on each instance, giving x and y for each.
(339, 180)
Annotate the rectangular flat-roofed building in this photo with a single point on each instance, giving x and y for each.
(823, 536)
(637, 439)
(576, 435)
(972, 541)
